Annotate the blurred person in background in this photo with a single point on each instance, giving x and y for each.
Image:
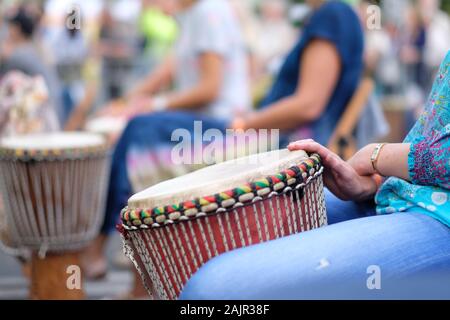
(209, 73)
(262, 24)
(36, 10)
(389, 74)
(70, 49)
(437, 42)
(420, 41)
(159, 31)
(318, 77)
(271, 48)
(412, 53)
(377, 41)
(24, 105)
(3, 25)
(245, 13)
(117, 50)
(18, 52)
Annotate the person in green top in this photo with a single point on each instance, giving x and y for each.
(159, 29)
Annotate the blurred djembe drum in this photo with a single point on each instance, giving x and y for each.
(54, 188)
(171, 229)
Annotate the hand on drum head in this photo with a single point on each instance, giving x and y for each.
(339, 176)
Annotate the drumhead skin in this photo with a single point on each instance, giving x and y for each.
(51, 144)
(52, 141)
(216, 178)
(106, 125)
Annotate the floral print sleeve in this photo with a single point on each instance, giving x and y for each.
(429, 158)
(428, 192)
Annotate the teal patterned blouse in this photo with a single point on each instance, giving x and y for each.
(428, 160)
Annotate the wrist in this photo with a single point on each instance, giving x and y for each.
(370, 186)
(376, 154)
(361, 161)
(393, 161)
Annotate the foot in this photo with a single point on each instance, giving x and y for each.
(93, 260)
(121, 261)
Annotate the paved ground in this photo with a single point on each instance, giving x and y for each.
(14, 286)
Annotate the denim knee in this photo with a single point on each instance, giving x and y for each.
(206, 284)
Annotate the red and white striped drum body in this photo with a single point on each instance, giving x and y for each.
(54, 188)
(168, 251)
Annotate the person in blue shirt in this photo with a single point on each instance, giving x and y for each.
(318, 77)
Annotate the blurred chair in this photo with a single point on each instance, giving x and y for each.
(343, 141)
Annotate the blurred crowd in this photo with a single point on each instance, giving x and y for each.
(119, 42)
(404, 55)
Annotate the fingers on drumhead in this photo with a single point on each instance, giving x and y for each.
(330, 159)
(298, 142)
(296, 145)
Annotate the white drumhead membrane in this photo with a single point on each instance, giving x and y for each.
(53, 141)
(216, 178)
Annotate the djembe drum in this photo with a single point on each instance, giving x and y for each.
(171, 229)
(54, 188)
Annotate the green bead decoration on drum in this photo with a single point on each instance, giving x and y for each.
(134, 215)
(145, 214)
(261, 184)
(226, 199)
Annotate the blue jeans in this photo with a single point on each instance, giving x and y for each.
(358, 256)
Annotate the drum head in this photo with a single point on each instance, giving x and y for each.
(52, 141)
(216, 178)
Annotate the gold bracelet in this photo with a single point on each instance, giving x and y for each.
(375, 155)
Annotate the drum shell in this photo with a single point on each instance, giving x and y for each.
(53, 204)
(170, 255)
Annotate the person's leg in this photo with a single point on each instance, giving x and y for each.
(339, 211)
(119, 189)
(405, 255)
